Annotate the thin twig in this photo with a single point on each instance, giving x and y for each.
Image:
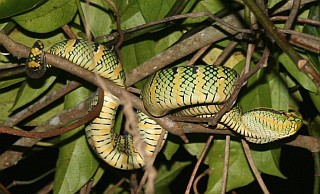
(196, 167)
(176, 17)
(28, 182)
(307, 36)
(301, 20)
(87, 188)
(274, 34)
(253, 167)
(133, 183)
(151, 161)
(196, 180)
(46, 189)
(119, 32)
(293, 14)
(226, 53)
(197, 55)
(113, 189)
(51, 133)
(226, 165)
(40, 104)
(4, 189)
(66, 28)
(9, 158)
(239, 84)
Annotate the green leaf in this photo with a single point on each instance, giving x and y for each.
(279, 93)
(7, 97)
(314, 14)
(301, 77)
(313, 128)
(268, 161)
(10, 82)
(131, 16)
(205, 6)
(257, 92)
(48, 17)
(154, 10)
(272, 3)
(316, 100)
(167, 41)
(97, 175)
(167, 174)
(170, 149)
(239, 173)
(23, 38)
(13, 7)
(32, 89)
(76, 164)
(48, 112)
(97, 14)
(136, 54)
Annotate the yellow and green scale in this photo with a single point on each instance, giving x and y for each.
(187, 90)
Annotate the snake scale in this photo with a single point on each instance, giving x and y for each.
(187, 90)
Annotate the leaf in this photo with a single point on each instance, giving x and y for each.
(48, 112)
(313, 128)
(32, 89)
(48, 17)
(167, 41)
(272, 3)
(314, 14)
(97, 175)
(131, 16)
(6, 101)
(97, 14)
(136, 54)
(279, 93)
(301, 77)
(76, 164)
(13, 7)
(268, 161)
(10, 82)
(23, 38)
(167, 174)
(316, 100)
(205, 6)
(170, 149)
(154, 10)
(211, 57)
(257, 92)
(239, 173)
(195, 149)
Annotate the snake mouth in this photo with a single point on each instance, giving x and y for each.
(279, 112)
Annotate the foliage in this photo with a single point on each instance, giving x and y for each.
(280, 86)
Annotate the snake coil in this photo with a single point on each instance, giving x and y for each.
(192, 91)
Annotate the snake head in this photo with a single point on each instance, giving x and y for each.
(291, 123)
(268, 125)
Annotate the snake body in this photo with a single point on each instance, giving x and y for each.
(193, 91)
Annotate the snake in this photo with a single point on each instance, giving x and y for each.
(199, 90)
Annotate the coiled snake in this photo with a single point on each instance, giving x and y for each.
(192, 90)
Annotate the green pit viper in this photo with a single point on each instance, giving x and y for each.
(187, 90)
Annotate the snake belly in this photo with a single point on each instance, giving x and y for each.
(117, 150)
(202, 90)
(192, 91)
